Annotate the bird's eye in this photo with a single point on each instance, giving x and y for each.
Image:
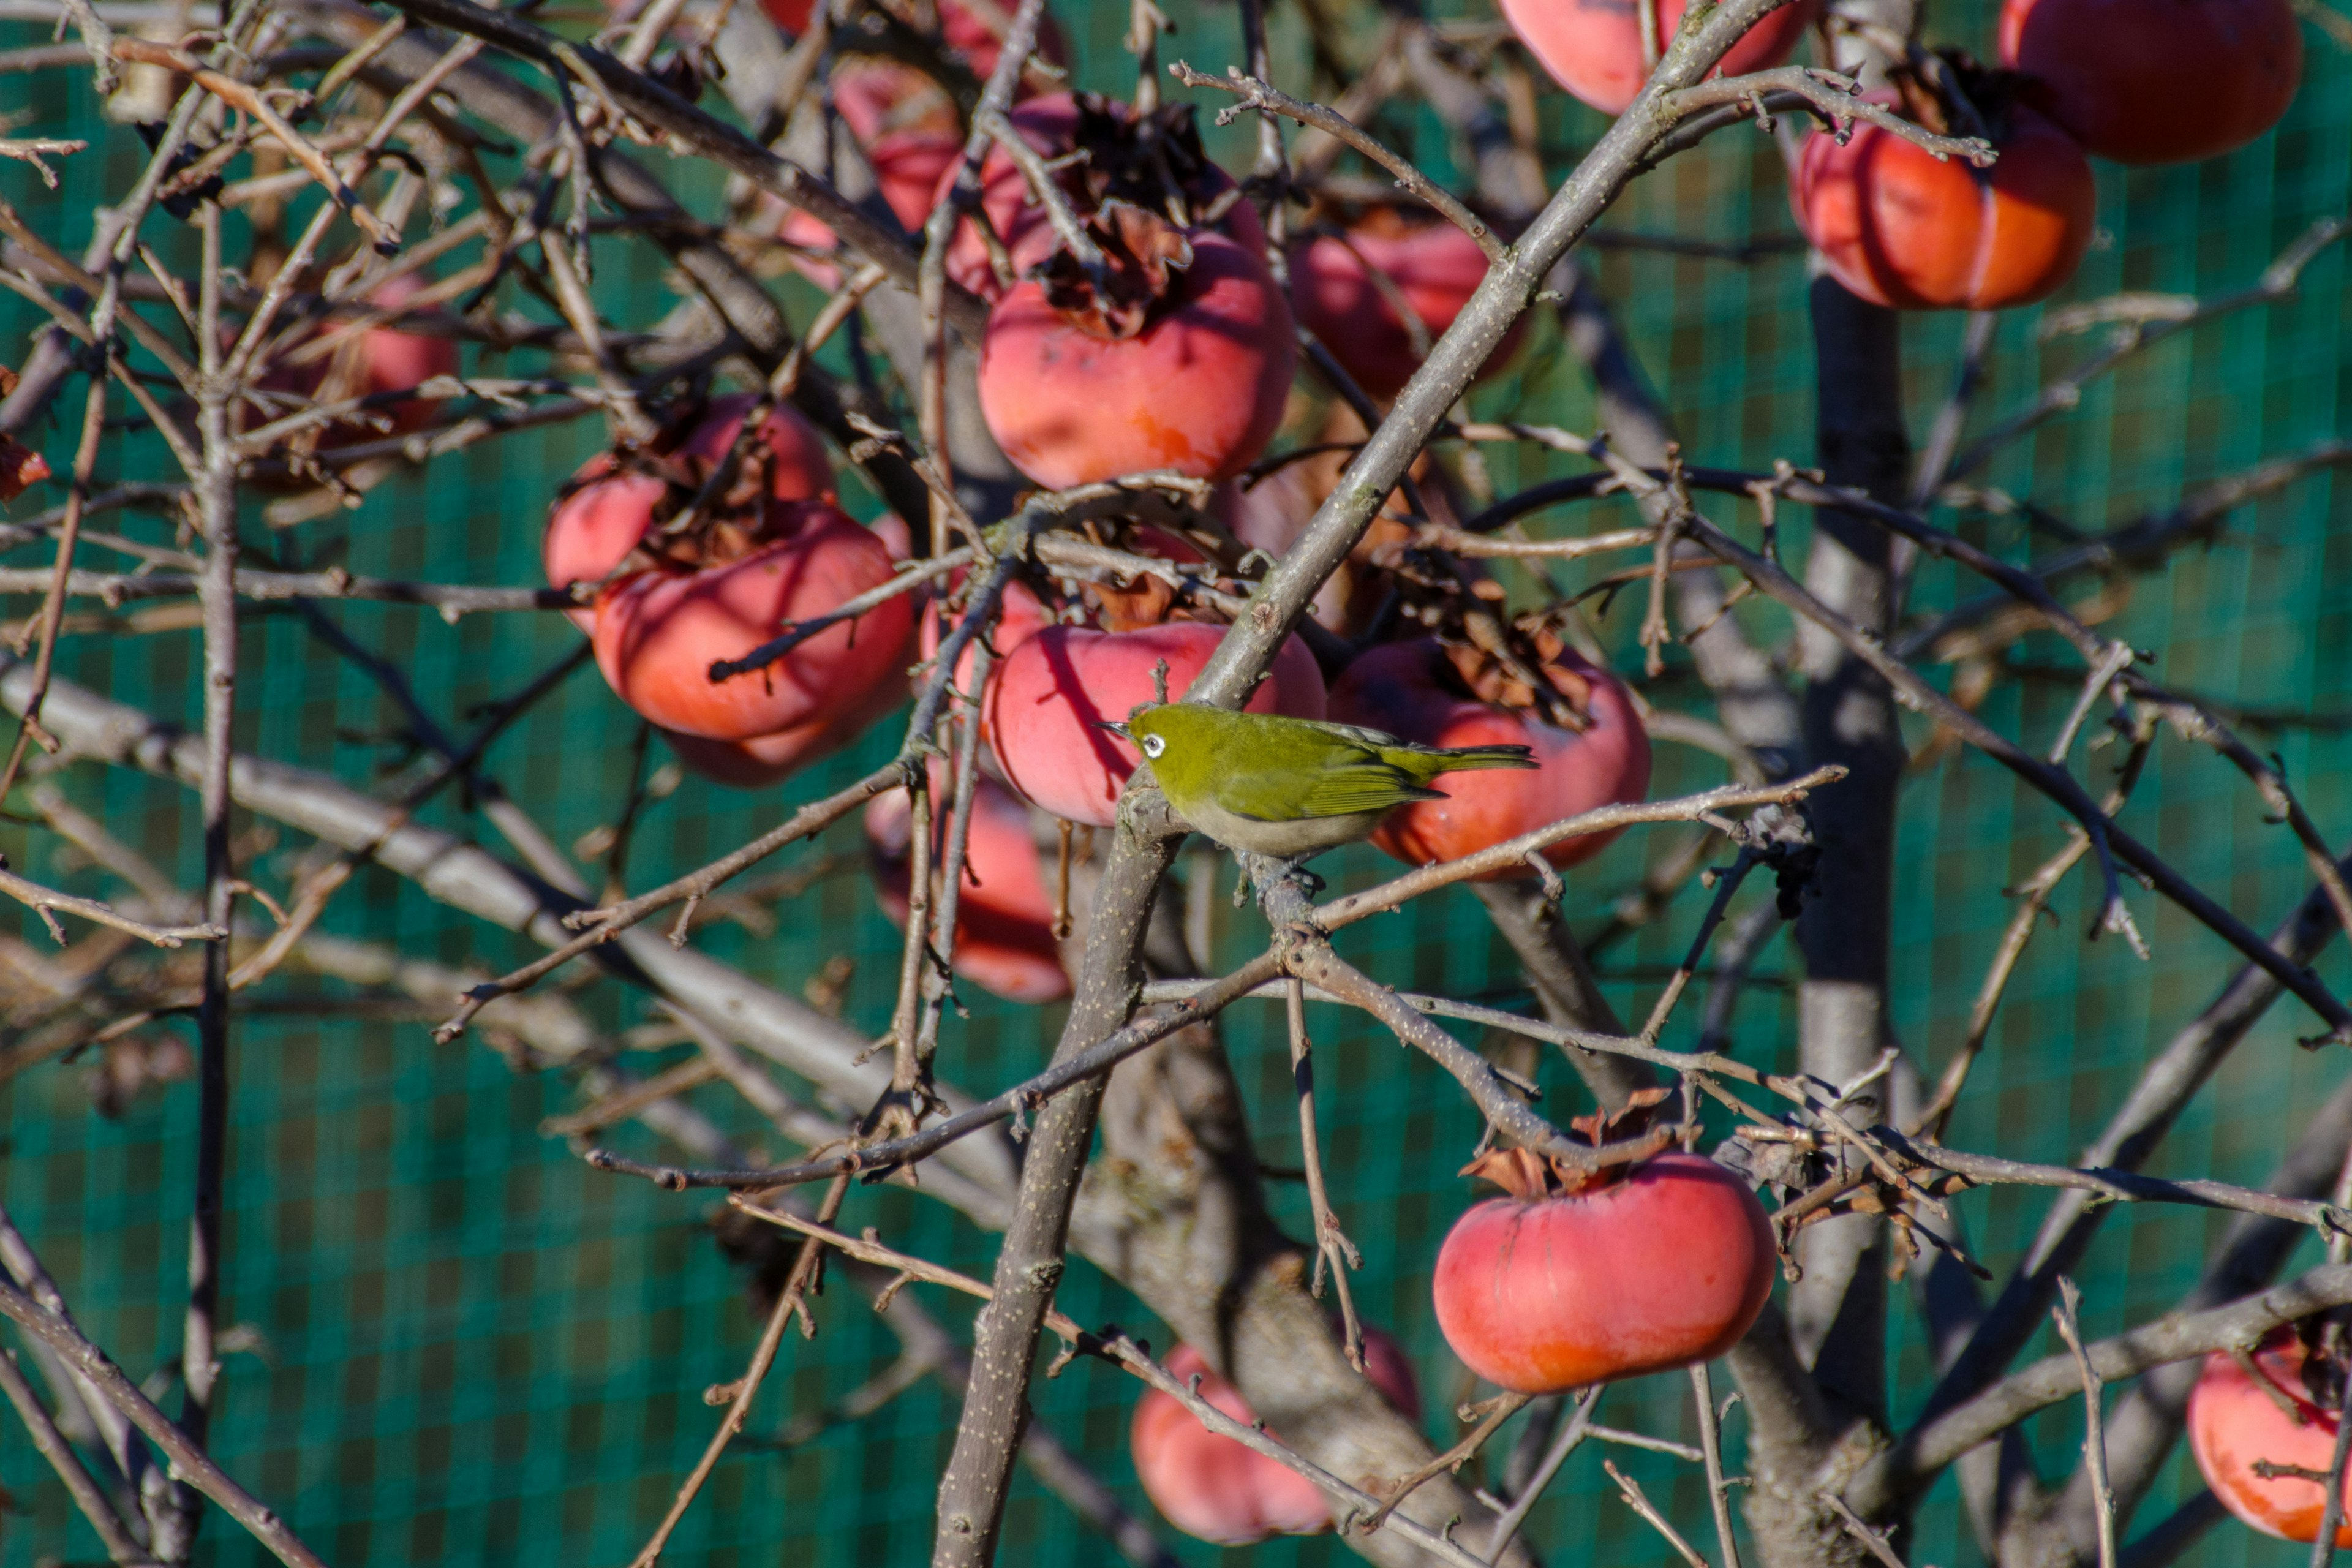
(1154, 745)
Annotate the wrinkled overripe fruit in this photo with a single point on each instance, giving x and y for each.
(370, 363)
(1004, 941)
(1183, 363)
(659, 631)
(1212, 1488)
(1433, 266)
(1593, 47)
(1418, 691)
(2233, 1423)
(1655, 1265)
(1901, 229)
(606, 510)
(2157, 81)
(1045, 700)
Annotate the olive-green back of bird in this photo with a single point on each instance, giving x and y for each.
(1223, 772)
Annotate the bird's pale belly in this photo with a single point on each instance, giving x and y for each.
(1286, 840)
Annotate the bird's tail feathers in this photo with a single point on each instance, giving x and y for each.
(1464, 759)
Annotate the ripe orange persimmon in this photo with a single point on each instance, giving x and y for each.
(1658, 1265)
(2157, 81)
(2233, 1423)
(1901, 229)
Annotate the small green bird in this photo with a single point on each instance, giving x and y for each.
(1291, 788)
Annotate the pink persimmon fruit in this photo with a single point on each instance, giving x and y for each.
(2234, 1422)
(659, 631)
(1901, 229)
(1211, 1486)
(908, 166)
(606, 510)
(1659, 1264)
(762, 761)
(1182, 363)
(2157, 81)
(1416, 691)
(1593, 47)
(1004, 941)
(1434, 266)
(374, 362)
(1044, 702)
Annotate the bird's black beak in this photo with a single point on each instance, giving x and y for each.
(1117, 729)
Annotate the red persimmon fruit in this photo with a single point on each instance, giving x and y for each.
(2234, 1422)
(1658, 1265)
(659, 631)
(1211, 1486)
(1004, 941)
(1182, 362)
(2157, 81)
(1901, 229)
(1593, 47)
(1044, 702)
(1418, 691)
(1433, 267)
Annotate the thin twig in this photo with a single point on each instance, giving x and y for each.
(1636, 1500)
(51, 1445)
(788, 1301)
(2066, 1315)
(1267, 98)
(1710, 1442)
(188, 1460)
(1872, 1541)
(1572, 1432)
(1333, 1250)
(1500, 1410)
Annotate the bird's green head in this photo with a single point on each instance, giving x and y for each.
(1177, 739)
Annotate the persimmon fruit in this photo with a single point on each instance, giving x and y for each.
(1004, 941)
(374, 362)
(1416, 691)
(1044, 702)
(1901, 229)
(1434, 268)
(1660, 1264)
(1593, 47)
(1213, 1488)
(1194, 379)
(659, 631)
(606, 510)
(2157, 81)
(2234, 1422)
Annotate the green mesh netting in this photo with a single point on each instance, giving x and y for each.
(469, 1349)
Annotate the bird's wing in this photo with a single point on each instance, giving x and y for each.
(1347, 780)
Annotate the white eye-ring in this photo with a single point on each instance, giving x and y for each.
(1153, 744)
